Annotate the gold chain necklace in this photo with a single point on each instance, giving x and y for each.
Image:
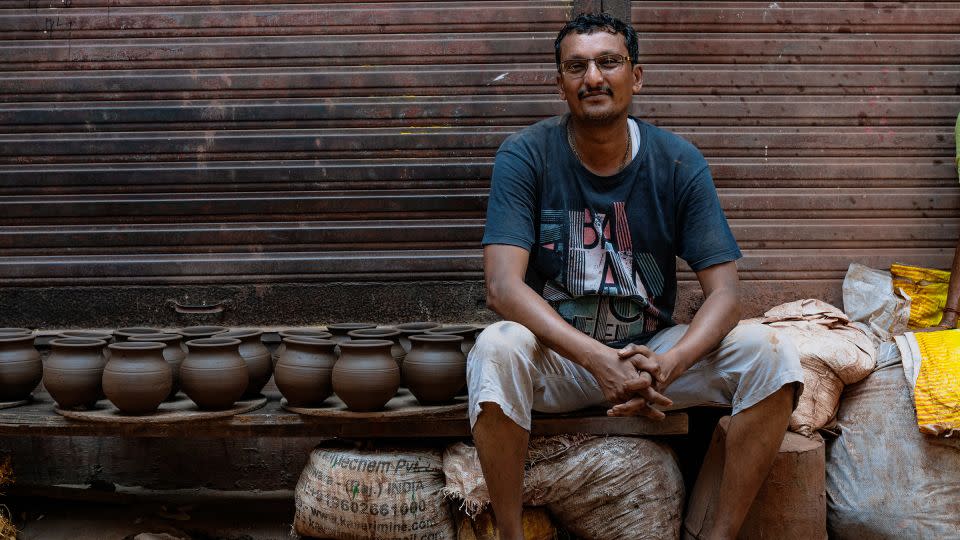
(573, 146)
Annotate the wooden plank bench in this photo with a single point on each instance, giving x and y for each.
(39, 418)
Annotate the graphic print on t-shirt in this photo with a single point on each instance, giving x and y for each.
(604, 289)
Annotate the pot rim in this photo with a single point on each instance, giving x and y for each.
(366, 343)
(14, 338)
(304, 332)
(418, 326)
(88, 334)
(307, 340)
(348, 326)
(241, 333)
(436, 338)
(201, 329)
(77, 342)
(212, 342)
(15, 330)
(137, 346)
(453, 329)
(163, 337)
(375, 333)
(138, 330)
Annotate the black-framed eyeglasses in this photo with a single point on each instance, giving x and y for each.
(606, 63)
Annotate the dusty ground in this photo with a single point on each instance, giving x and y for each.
(128, 515)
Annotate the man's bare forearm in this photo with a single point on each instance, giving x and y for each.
(714, 320)
(718, 315)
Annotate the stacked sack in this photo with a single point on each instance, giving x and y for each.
(833, 352)
(595, 487)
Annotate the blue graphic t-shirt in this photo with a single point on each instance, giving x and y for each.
(603, 249)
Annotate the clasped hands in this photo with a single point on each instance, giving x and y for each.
(632, 379)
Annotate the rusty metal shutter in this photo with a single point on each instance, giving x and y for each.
(309, 160)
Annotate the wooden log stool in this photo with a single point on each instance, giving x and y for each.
(791, 504)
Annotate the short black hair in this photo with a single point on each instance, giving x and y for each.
(588, 23)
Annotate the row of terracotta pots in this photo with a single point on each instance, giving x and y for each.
(367, 373)
(142, 373)
(78, 358)
(136, 375)
(427, 358)
(399, 334)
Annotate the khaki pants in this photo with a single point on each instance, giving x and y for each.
(510, 367)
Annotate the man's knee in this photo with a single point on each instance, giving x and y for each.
(504, 339)
(763, 344)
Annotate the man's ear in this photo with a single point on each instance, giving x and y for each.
(637, 78)
(563, 95)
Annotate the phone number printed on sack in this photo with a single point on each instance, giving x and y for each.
(334, 502)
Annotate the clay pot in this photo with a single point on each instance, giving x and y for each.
(435, 368)
(303, 374)
(105, 335)
(466, 331)
(315, 333)
(199, 332)
(257, 357)
(340, 330)
(214, 374)
(397, 350)
(124, 334)
(172, 353)
(137, 378)
(18, 331)
(412, 329)
(73, 373)
(87, 334)
(366, 376)
(20, 366)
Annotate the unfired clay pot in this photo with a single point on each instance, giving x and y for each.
(435, 369)
(315, 333)
(172, 353)
(137, 378)
(366, 376)
(257, 357)
(340, 330)
(214, 375)
(412, 329)
(304, 372)
(87, 334)
(397, 350)
(124, 334)
(466, 331)
(201, 332)
(91, 334)
(21, 331)
(20, 366)
(73, 373)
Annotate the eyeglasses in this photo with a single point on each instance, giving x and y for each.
(606, 63)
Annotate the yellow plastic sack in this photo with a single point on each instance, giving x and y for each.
(937, 392)
(927, 289)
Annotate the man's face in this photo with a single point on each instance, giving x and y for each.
(598, 97)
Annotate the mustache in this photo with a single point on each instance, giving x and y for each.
(603, 89)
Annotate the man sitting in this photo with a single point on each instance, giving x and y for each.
(587, 214)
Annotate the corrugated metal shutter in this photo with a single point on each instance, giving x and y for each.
(192, 145)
